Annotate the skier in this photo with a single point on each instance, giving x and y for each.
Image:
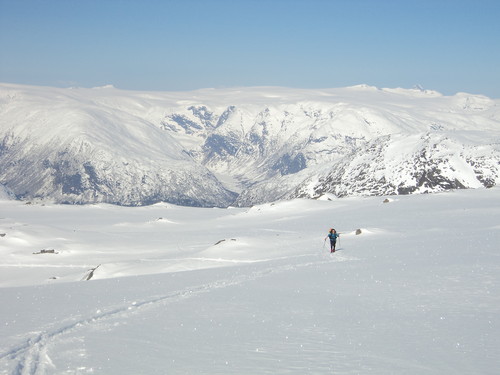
(333, 239)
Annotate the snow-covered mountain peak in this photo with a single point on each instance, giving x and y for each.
(129, 147)
(104, 87)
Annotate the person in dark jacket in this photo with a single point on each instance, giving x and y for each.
(333, 235)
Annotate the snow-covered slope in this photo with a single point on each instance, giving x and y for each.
(109, 145)
(396, 164)
(63, 145)
(183, 290)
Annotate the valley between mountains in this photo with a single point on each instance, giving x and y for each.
(242, 146)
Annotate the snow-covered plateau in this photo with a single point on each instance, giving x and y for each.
(413, 288)
(240, 147)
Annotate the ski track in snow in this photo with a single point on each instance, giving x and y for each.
(33, 357)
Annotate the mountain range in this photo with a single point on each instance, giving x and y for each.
(242, 146)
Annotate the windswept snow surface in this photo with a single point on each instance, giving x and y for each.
(179, 290)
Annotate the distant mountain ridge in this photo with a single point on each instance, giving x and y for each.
(218, 147)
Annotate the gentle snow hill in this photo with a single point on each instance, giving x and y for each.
(183, 290)
(242, 146)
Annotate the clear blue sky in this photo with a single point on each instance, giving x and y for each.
(444, 45)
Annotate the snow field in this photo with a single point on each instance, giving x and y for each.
(253, 290)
